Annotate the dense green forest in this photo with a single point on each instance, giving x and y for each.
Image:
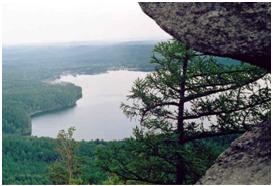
(27, 90)
(21, 103)
(26, 159)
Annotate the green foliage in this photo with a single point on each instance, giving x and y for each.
(67, 169)
(58, 173)
(188, 97)
(26, 160)
(152, 162)
(73, 165)
(20, 104)
(15, 120)
(223, 97)
(113, 180)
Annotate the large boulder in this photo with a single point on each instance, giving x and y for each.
(237, 30)
(246, 161)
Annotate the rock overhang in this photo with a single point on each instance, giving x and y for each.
(239, 30)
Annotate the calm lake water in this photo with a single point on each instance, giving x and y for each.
(97, 114)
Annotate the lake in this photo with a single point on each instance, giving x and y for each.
(97, 115)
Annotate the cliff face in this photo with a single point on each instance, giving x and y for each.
(238, 30)
(246, 161)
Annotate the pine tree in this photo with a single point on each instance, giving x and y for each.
(191, 96)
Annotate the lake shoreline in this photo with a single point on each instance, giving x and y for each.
(49, 111)
(97, 115)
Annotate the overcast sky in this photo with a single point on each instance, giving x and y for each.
(64, 22)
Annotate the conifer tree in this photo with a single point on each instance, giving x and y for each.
(191, 96)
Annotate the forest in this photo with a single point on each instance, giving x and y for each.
(172, 144)
(27, 91)
(26, 159)
(27, 71)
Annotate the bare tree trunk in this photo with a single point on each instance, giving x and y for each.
(180, 168)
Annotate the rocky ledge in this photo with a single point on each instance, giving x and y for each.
(246, 161)
(237, 30)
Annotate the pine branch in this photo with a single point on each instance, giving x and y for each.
(207, 93)
(211, 113)
(202, 75)
(213, 134)
(219, 83)
(135, 176)
(153, 106)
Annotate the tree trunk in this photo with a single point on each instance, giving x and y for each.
(180, 168)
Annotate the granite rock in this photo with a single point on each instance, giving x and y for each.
(246, 161)
(239, 30)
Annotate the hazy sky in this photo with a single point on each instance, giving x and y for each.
(77, 21)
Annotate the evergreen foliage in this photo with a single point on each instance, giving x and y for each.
(189, 97)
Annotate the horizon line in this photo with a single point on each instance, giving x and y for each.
(97, 42)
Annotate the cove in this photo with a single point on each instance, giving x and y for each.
(97, 115)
